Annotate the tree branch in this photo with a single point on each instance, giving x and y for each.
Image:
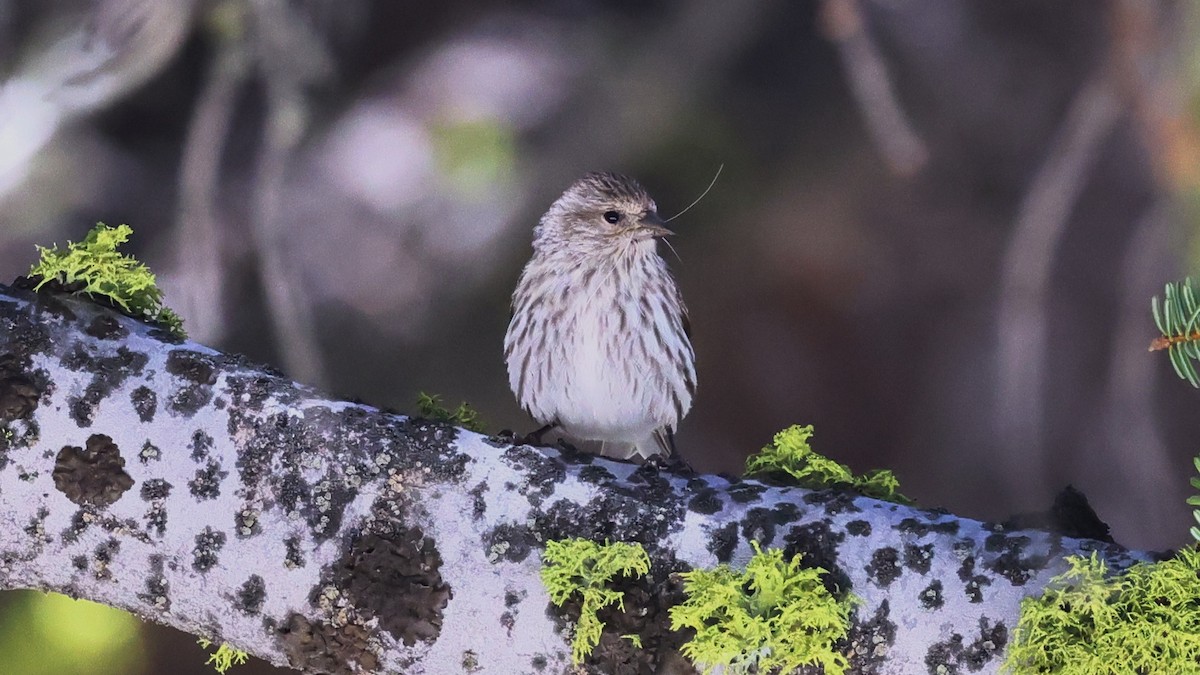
(201, 491)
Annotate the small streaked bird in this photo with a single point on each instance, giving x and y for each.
(598, 346)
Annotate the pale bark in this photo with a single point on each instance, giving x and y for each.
(207, 493)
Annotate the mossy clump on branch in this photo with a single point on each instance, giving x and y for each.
(791, 455)
(775, 616)
(225, 657)
(1088, 622)
(583, 567)
(431, 408)
(93, 266)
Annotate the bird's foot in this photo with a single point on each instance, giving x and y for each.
(673, 463)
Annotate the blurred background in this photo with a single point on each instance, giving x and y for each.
(935, 237)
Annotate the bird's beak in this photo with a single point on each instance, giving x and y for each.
(652, 226)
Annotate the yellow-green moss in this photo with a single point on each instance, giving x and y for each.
(791, 454)
(430, 407)
(583, 567)
(773, 617)
(1087, 622)
(95, 266)
(225, 657)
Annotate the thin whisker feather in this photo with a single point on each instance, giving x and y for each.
(702, 194)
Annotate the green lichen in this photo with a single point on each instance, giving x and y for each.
(93, 266)
(581, 567)
(225, 657)
(430, 406)
(773, 617)
(1088, 622)
(791, 455)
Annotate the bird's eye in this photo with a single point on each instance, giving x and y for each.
(612, 217)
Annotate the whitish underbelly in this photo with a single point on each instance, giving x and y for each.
(607, 381)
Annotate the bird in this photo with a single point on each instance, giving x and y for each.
(599, 343)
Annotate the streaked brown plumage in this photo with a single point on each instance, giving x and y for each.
(598, 344)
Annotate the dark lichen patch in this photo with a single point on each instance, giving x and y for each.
(166, 336)
(973, 583)
(155, 488)
(920, 528)
(245, 522)
(541, 473)
(884, 567)
(395, 578)
(149, 452)
(207, 482)
(930, 597)
(834, 501)
(36, 529)
(79, 562)
(294, 555)
(94, 475)
(324, 648)
(705, 502)
(510, 542)
(199, 374)
(200, 445)
(275, 434)
(145, 403)
(157, 592)
(293, 492)
(24, 333)
(192, 366)
(155, 491)
(1010, 564)
(918, 558)
(644, 513)
(539, 662)
(330, 497)
(430, 445)
(124, 527)
(595, 474)
(859, 528)
(951, 656)
(19, 391)
(817, 542)
(206, 553)
(249, 393)
(105, 327)
(187, 400)
(271, 447)
(251, 595)
(508, 618)
(744, 493)
(759, 523)
(105, 552)
(79, 524)
(722, 541)
(868, 642)
(107, 372)
(478, 503)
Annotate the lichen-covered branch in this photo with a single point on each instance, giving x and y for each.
(208, 493)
